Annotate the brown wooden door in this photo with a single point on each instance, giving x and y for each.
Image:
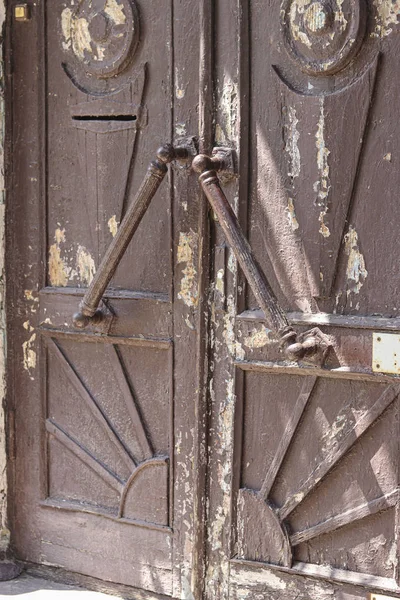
(104, 421)
(111, 430)
(303, 463)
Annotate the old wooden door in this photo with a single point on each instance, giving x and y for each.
(110, 430)
(304, 460)
(103, 425)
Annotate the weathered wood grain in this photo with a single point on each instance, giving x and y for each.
(298, 409)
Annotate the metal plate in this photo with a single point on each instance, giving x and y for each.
(386, 353)
(372, 596)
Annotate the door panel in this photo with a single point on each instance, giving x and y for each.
(106, 430)
(304, 457)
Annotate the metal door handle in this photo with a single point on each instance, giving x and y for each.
(88, 308)
(311, 343)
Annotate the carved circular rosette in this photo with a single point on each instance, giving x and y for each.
(322, 36)
(100, 39)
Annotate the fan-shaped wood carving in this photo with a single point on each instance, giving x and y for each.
(137, 476)
(264, 531)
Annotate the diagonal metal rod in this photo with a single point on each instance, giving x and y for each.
(242, 251)
(88, 308)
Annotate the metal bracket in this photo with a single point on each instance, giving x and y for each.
(227, 158)
(318, 343)
(191, 145)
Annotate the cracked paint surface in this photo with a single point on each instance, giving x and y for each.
(322, 186)
(292, 136)
(185, 255)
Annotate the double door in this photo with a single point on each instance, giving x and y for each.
(173, 447)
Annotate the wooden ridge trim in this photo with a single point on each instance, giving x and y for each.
(85, 456)
(91, 403)
(329, 320)
(349, 516)
(291, 427)
(335, 454)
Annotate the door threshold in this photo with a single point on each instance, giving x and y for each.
(78, 583)
(35, 588)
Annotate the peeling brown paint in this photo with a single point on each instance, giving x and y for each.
(356, 271)
(187, 245)
(85, 265)
(294, 224)
(219, 282)
(66, 18)
(292, 136)
(387, 13)
(258, 338)
(29, 354)
(76, 31)
(58, 270)
(322, 186)
(323, 229)
(225, 129)
(234, 347)
(115, 11)
(81, 38)
(113, 225)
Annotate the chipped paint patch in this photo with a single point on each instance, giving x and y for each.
(387, 13)
(323, 229)
(257, 578)
(232, 263)
(292, 136)
(81, 38)
(322, 186)
(219, 282)
(296, 11)
(225, 128)
(294, 224)
(29, 354)
(180, 129)
(258, 339)
(356, 271)
(188, 290)
(234, 347)
(115, 11)
(59, 235)
(85, 265)
(113, 225)
(66, 24)
(58, 269)
(179, 88)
